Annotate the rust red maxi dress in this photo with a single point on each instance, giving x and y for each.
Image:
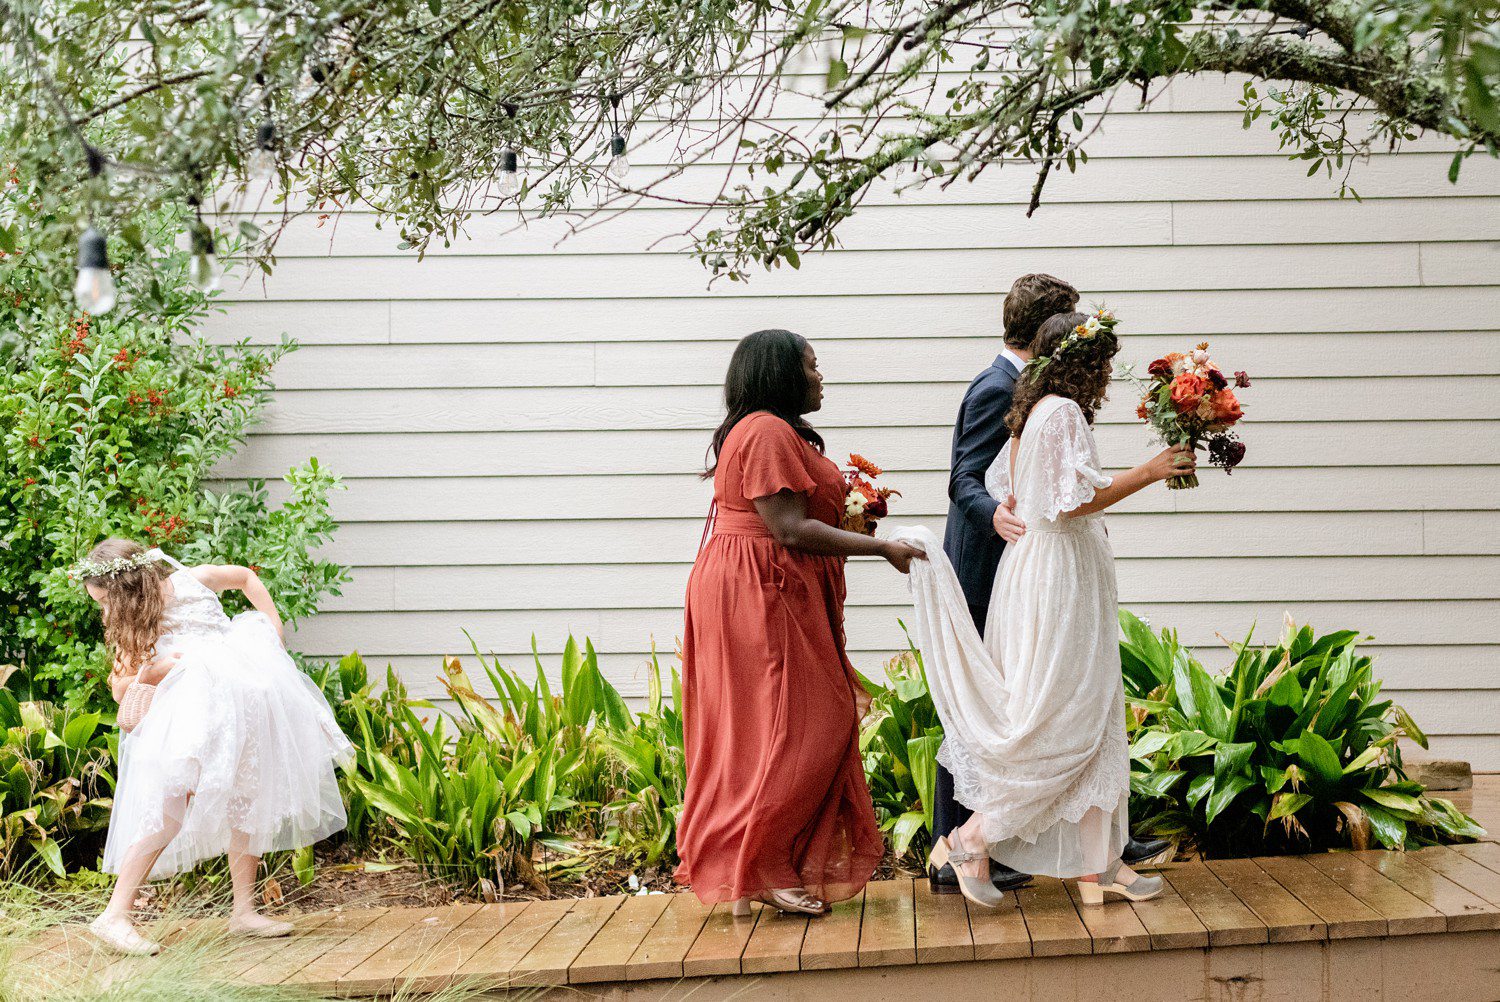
(776, 794)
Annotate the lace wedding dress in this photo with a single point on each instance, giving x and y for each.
(238, 744)
(1033, 714)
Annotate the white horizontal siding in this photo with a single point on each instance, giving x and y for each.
(521, 416)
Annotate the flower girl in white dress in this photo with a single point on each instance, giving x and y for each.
(1034, 715)
(234, 754)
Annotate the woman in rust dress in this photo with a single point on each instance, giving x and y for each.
(776, 807)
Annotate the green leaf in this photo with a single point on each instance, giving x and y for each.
(838, 72)
(1389, 830)
(1314, 751)
(1287, 804)
(1231, 759)
(1224, 794)
(1394, 801)
(1154, 784)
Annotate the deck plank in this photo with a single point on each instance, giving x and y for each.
(284, 959)
(495, 962)
(1229, 921)
(1405, 914)
(1170, 922)
(325, 970)
(609, 952)
(1052, 921)
(1346, 916)
(888, 930)
(721, 941)
(1465, 910)
(999, 933)
(1486, 854)
(832, 942)
(379, 973)
(439, 968)
(776, 942)
(1113, 926)
(665, 947)
(547, 963)
(1463, 871)
(1287, 919)
(943, 934)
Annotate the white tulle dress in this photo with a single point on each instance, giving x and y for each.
(1034, 714)
(238, 744)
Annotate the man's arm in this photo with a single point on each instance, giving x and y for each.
(976, 443)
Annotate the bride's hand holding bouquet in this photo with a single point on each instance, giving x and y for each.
(1190, 403)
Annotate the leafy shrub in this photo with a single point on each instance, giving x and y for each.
(899, 740)
(1291, 749)
(113, 425)
(56, 778)
(643, 816)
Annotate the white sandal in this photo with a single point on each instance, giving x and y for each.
(791, 900)
(120, 936)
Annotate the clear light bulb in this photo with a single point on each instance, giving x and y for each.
(510, 177)
(203, 270)
(95, 288)
(262, 161)
(619, 164)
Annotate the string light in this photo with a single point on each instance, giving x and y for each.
(204, 271)
(619, 163)
(510, 178)
(262, 164)
(95, 289)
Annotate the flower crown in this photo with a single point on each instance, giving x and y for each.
(1101, 322)
(86, 569)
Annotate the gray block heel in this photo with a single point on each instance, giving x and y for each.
(1141, 889)
(977, 889)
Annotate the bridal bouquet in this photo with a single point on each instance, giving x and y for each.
(864, 503)
(1189, 401)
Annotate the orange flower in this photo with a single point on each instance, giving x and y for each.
(1141, 411)
(1226, 407)
(1187, 390)
(864, 466)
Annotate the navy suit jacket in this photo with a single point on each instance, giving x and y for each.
(978, 436)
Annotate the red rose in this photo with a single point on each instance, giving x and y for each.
(1217, 378)
(1242, 379)
(1226, 407)
(877, 508)
(1187, 390)
(1160, 367)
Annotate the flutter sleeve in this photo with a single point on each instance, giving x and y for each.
(1064, 473)
(771, 459)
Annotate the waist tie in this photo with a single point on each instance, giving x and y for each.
(739, 523)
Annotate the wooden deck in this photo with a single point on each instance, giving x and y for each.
(1373, 924)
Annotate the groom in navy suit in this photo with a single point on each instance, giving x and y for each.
(979, 526)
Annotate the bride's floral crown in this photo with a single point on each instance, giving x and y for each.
(1099, 326)
(86, 569)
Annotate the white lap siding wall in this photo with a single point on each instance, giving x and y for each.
(521, 422)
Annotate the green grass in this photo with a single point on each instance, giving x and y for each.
(75, 970)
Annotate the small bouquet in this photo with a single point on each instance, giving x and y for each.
(1189, 401)
(864, 503)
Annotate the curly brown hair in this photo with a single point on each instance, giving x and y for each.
(1031, 300)
(1081, 373)
(132, 607)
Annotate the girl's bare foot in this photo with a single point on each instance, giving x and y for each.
(252, 923)
(120, 935)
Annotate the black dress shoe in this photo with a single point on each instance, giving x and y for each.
(945, 881)
(1144, 852)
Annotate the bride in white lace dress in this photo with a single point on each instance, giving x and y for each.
(1034, 717)
(236, 751)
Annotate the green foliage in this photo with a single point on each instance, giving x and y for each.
(409, 106)
(899, 739)
(1291, 749)
(56, 778)
(113, 426)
